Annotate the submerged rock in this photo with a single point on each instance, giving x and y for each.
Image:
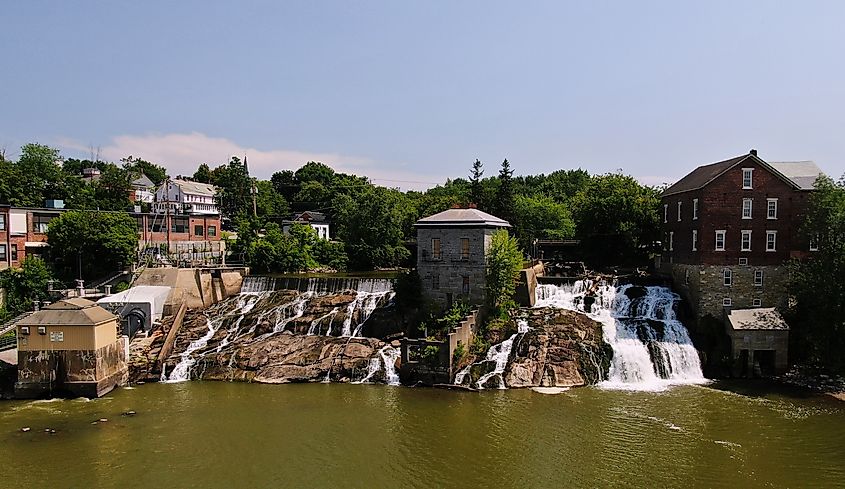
(562, 349)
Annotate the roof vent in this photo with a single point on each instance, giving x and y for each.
(753, 152)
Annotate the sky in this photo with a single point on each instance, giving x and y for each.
(411, 93)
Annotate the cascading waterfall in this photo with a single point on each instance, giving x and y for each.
(499, 354)
(386, 362)
(651, 348)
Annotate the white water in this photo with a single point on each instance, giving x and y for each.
(497, 353)
(386, 362)
(644, 358)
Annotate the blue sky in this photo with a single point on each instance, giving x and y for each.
(410, 92)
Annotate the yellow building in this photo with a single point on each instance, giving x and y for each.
(70, 346)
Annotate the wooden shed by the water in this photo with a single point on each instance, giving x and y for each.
(70, 346)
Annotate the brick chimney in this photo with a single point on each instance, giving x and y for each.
(753, 152)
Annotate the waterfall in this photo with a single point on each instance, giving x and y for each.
(499, 354)
(316, 285)
(385, 362)
(651, 348)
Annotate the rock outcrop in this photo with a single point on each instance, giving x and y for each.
(562, 349)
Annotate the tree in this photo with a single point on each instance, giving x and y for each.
(504, 195)
(269, 202)
(299, 250)
(475, 175)
(111, 190)
(23, 286)
(234, 189)
(284, 182)
(156, 173)
(817, 319)
(372, 228)
(617, 219)
(504, 261)
(93, 243)
(314, 171)
(540, 217)
(203, 174)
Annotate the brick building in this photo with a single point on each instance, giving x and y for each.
(451, 254)
(23, 231)
(729, 227)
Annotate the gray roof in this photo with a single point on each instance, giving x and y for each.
(143, 181)
(703, 175)
(195, 188)
(802, 173)
(763, 318)
(463, 217)
(69, 312)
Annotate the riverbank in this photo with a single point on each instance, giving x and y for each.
(815, 380)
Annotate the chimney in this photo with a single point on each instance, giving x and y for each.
(753, 152)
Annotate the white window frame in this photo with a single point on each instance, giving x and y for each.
(671, 241)
(723, 234)
(773, 241)
(727, 277)
(686, 276)
(727, 301)
(694, 209)
(749, 208)
(742, 245)
(757, 302)
(814, 243)
(679, 211)
(665, 213)
(743, 261)
(770, 208)
(758, 278)
(694, 240)
(747, 176)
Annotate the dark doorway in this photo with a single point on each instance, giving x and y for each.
(743, 363)
(765, 359)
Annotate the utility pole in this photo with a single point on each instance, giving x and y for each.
(167, 212)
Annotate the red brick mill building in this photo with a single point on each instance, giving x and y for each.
(729, 227)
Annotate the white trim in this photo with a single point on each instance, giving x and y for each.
(724, 239)
(679, 211)
(727, 301)
(694, 240)
(757, 302)
(694, 209)
(727, 277)
(750, 203)
(671, 240)
(742, 247)
(769, 202)
(758, 283)
(774, 241)
(665, 213)
(750, 178)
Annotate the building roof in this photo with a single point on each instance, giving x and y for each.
(69, 312)
(310, 216)
(756, 319)
(140, 293)
(802, 173)
(195, 188)
(143, 181)
(703, 175)
(462, 218)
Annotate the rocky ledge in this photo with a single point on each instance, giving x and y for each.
(562, 349)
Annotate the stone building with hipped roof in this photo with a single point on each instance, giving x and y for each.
(70, 346)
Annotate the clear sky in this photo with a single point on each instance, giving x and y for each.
(407, 91)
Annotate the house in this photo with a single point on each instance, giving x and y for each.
(71, 345)
(759, 340)
(317, 220)
(186, 197)
(143, 189)
(138, 307)
(451, 254)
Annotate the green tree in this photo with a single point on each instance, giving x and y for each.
(112, 189)
(371, 227)
(203, 174)
(269, 202)
(817, 319)
(156, 173)
(476, 195)
(617, 219)
(98, 243)
(234, 189)
(505, 194)
(540, 218)
(23, 286)
(314, 171)
(504, 261)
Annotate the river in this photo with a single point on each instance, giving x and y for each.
(220, 434)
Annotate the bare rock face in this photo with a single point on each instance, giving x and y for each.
(562, 349)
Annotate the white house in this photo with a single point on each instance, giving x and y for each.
(187, 196)
(143, 188)
(317, 220)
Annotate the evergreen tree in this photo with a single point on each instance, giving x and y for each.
(504, 195)
(475, 184)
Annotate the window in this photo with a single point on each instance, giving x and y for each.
(771, 240)
(758, 278)
(746, 208)
(157, 225)
(679, 212)
(40, 223)
(771, 208)
(464, 248)
(686, 276)
(465, 285)
(757, 302)
(14, 252)
(727, 276)
(2, 222)
(671, 241)
(694, 209)
(179, 225)
(694, 240)
(743, 261)
(665, 212)
(2, 252)
(435, 282)
(197, 229)
(139, 223)
(212, 231)
(726, 301)
(814, 243)
(746, 177)
(746, 240)
(435, 248)
(720, 241)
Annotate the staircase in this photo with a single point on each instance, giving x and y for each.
(10, 324)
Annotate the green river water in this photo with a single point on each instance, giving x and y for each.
(217, 434)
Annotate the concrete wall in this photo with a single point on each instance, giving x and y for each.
(528, 284)
(198, 287)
